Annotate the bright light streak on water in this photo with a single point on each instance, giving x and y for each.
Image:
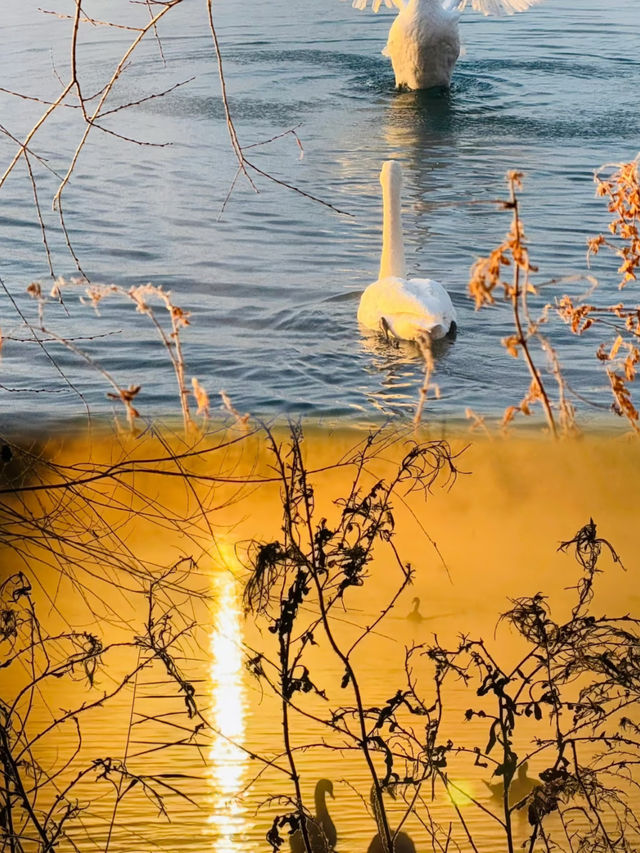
(227, 762)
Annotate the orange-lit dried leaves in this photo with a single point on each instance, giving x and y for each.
(576, 316)
(485, 276)
(202, 398)
(35, 290)
(512, 345)
(477, 421)
(533, 395)
(126, 396)
(623, 405)
(242, 421)
(622, 371)
(622, 189)
(512, 252)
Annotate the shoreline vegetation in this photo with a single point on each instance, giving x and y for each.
(109, 549)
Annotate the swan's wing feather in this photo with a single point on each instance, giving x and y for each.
(375, 4)
(491, 7)
(429, 295)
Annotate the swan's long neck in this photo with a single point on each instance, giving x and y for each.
(321, 804)
(392, 259)
(322, 814)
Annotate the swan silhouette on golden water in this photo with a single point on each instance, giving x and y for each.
(520, 786)
(400, 307)
(414, 614)
(402, 842)
(320, 828)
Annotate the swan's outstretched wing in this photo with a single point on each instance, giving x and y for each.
(490, 7)
(487, 7)
(375, 4)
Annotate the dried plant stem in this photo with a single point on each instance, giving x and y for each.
(118, 797)
(518, 293)
(91, 119)
(233, 136)
(244, 165)
(286, 734)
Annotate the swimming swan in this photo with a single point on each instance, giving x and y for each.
(404, 308)
(321, 829)
(402, 843)
(520, 786)
(424, 42)
(414, 615)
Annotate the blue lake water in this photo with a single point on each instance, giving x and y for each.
(273, 284)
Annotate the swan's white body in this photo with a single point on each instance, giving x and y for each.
(405, 308)
(424, 41)
(423, 45)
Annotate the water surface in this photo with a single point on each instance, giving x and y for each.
(273, 284)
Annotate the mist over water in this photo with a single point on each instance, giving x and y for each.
(273, 284)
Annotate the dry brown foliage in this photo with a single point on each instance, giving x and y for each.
(486, 278)
(619, 183)
(142, 296)
(621, 187)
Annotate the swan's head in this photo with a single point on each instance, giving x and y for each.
(391, 175)
(325, 786)
(416, 602)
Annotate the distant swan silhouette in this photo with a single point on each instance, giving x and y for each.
(402, 843)
(424, 42)
(321, 829)
(401, 307)
(414, 615)
(520, 786)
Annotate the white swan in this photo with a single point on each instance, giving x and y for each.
(424, 42)
(404, 308)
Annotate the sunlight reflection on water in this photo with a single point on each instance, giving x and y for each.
(228, 762)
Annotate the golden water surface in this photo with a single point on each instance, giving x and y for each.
(92, 553)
